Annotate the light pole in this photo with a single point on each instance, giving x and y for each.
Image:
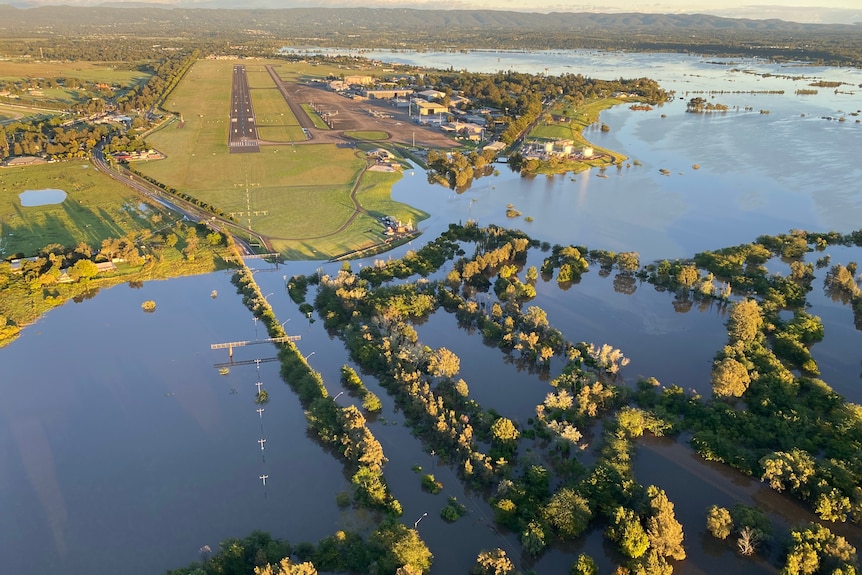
(337, 396)
(309, 355)
(416, 525)
(266, 296)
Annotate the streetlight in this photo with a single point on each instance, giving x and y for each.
(309, 355)
(337, 396)
(266, 296)
(284, 322)
(416, 525)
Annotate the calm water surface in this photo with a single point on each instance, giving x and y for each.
(123, 449)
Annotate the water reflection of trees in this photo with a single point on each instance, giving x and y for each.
(625, 284)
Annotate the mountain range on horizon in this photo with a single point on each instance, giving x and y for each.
(798, 14)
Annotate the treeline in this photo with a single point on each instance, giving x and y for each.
(392, 547)
(182, 195)
(165, 77)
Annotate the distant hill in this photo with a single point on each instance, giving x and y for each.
(445, 29)
(126, 14)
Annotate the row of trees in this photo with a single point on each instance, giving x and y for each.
(392, 548)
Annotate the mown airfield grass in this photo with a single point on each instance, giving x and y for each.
(299, 195)
(371, 135)
(96, 207)
(315, 117)
(273, 117)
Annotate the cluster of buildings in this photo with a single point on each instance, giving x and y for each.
(138, 156)
(544, 150)
(394, 227)
(429, 106)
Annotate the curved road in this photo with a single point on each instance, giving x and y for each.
(188, 210)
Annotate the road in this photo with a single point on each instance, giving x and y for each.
(189, 211)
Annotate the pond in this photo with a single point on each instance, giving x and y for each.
(119, 438)
(48, 196)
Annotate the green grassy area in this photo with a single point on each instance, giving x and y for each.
(92, 72)
(281, 134)
(274, 119)
(315, 118)
(95, 208)
(375, 196)
(258, 76)
(8, 113)
(107, 72)
(371, 135)
(298, 195)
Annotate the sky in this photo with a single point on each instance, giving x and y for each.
(821, 11)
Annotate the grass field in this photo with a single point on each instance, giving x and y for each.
(274, 118)
(299, 196)
(95, 208)
(315, 118)
(369, 135)
(106, 72)
(10, 113)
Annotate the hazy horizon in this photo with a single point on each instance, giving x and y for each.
(836, 12)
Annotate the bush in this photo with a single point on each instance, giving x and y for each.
(430, 484)
(453, 511)
(149, 306)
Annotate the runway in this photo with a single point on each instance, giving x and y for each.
(242, 137)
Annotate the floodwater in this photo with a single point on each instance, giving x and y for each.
(31, 198)
(119, 439)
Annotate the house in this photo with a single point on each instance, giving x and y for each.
(106, 267)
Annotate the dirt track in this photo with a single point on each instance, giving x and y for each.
(352, 115)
